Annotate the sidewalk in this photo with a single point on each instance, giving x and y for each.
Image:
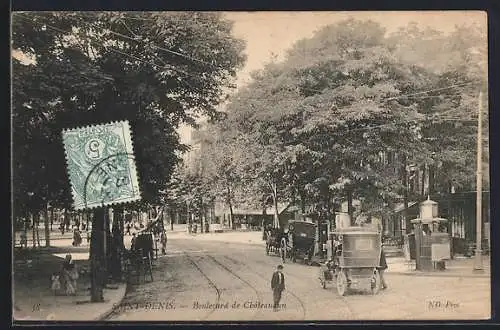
(34, 300)
(459, 267)
(55, 236)
(243, 237)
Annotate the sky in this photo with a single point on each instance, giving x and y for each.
(269, 34)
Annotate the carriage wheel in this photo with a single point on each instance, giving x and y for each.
(375, 282)
(341, 283)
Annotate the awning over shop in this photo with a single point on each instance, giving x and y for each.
(401, 206)
(251, 211)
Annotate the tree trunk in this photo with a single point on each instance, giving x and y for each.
(97, 256)
(230, 204)
(431, 171)
(302, 205)
(231, 225)
(108, 245)
(405, 229)
(424, 173)
(449, 215)
(33, 229)
(25, 229)
(172, 218)
(162, 218)
(277, 223)
(66, 219)
(117, 247)
(188, 220)
(87, 220)
(51, 218)
(202, 216)
(350, 208)
(46, 225)
(37, 224)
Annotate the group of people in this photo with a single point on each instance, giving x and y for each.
(162, 240)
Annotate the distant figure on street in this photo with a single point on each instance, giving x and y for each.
(163, 240)
(277, 285)
(24, 239)
(382, 268)
(77, 237)
(133, 242)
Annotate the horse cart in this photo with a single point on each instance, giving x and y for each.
(276, 242)
(355, 260)
(301, 240)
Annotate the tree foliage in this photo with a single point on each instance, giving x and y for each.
(156, 70)
(351, 106)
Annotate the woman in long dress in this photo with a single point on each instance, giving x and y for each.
(69, 275)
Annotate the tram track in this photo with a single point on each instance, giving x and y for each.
(211, 283)
(250, 285)
(342, 299)
(300, 301)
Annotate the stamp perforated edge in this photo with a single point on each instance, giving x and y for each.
(133, 166)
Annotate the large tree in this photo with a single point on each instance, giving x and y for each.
(348, 109)
(459, 59)
(156, 70)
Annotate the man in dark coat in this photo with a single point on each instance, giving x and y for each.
(133, 242)
(277, 285)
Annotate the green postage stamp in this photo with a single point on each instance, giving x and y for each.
(101, 165)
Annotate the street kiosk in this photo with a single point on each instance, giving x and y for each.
(432, 241)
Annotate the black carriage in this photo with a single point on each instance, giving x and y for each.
(301, 240)
(355, 261)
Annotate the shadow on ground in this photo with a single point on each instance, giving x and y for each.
(33, 268)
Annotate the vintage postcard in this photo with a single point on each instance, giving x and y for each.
(249, 166)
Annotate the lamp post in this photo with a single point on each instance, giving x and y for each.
(478, 259)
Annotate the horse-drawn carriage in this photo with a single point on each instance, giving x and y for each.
(276, 242)
(301, 240)
(356, 257)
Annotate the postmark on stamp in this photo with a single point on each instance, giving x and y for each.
(101, 165)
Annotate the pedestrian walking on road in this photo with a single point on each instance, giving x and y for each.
(382, 268)
(277, 285)
(163, 240)
(133, 242)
